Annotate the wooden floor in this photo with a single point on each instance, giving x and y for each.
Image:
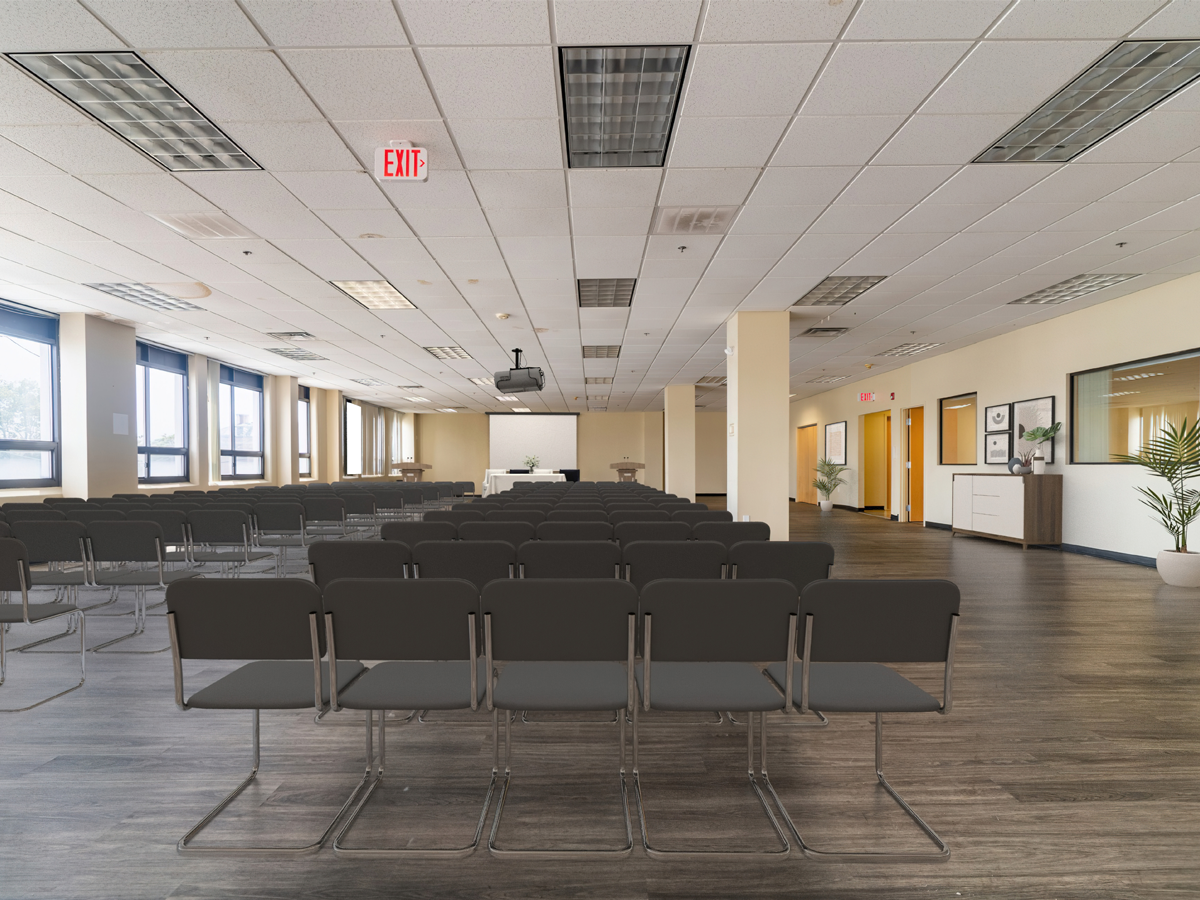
(1069, 768)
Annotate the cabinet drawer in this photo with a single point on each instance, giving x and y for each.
(1008, 523)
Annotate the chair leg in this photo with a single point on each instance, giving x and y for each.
(615, 853)
(139, 594)
(392, 852)
(82, 667)
(942, 853)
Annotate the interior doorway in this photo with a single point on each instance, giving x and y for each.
(806, 462)
(877, 463)
(915, 430)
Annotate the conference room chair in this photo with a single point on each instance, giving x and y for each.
(389, 503)
(173, 523)
(702, 646)
(15, 579)
(850, 631)
(567, 645)
(455, 515)
(695, 516)
(574, 531)
(74, 505)
(279, 625)
(15, 506)
(577, 515)
(616, 517)
(569, 559)
(425, 635)
(800, 562)
(480, 506)
(39, 514)
(5, 531)
(646, 561)
(532, 516)
(414, 498)
(464, 489)
(360, 511)
(615, 505)
(729, 533)
(330, 560)
(479, 562)
(628, 532)
(515, 533)
(529, 504)
(413, 533)
(324, 517)
(279, 525)
(245, 505)
(59, 501)
(580, 504)
(87, 516)
(61, 548)
(224, 537)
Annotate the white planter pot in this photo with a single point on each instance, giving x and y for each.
(826, 505)
(1179, 569)
(1039, 465)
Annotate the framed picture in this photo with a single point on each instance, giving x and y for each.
(997, 448)
(998, 418)
(835, 443)
(1028, 414)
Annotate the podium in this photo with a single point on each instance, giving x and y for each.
(410, 471)
(627, 471)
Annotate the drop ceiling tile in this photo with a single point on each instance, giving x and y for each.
(536, 248)
(40, 25)
(79, 149)
(1085, 183)
(978, 245)
(27, 102)
(1106, 216)
(680, 267)
(661, 292)
(365, 137)
(549, 269)
(942, 217)
(706, 187)
(509, 143)
(750, 79)
(319, 23)
(611, 221)
(755, 246)
(873, 79)
(335, 190)
(625, 21)
(537, 188)
(920, 20)
(589, 266)
(895, 184)
(47, 228)
(834, 140)
(443, 190)
(801, 185)
(181, 24)
(992, 183)
(614, 187)
(235, 85)
(943, 139)
(459, 222)
(772, 20)
(878, 265)
(775, 219)
(1027, 217)
(292, 146)
(271, 223)
(474, 22)
(1074, 19)
(786, 290)
(666, 246)
(824, 246)
(724, 142)
(897, 244)
(456, 249)
(336, 80)
(1157, 136)
(1174, 182)
(506, 82)
(157, 192)
(857, 219)
(529, 222)
(1182, 217)
(354, 223)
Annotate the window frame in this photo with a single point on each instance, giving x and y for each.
(305, 397)
(346, 473)
(143, 355)
(941, 427)
(251, 381)
(30, 325)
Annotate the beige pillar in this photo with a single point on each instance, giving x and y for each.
(679, 442)
(282, 398)
(99, 430)
(759, 449)
(199, 449)
(330, 437)
(653, 440)
(213, 413)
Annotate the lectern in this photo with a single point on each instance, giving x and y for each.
(627, 471)
(410, 471)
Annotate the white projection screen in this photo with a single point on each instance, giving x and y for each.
(551, 438)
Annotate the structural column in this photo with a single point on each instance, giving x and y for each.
(283, 398)
(679, 430)
(759, 452)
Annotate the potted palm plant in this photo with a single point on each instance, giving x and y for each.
(1037, 437)
(829, 479)
(1173, 454)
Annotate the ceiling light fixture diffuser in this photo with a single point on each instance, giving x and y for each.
(1132, 78)
(601, 351)
(204, 226)
(838, 290)
(1070, 289)
(620, 103)
(910, 349)
(482, 382)
(824, 332)
(123, 93)
(693, 219)
(605, 292)
(591, 380)
(144, 295)
(296, 353)
(374, 294)
(828, 379)
(448, 352)
(291, 335)
(712, 380)
(520, 409)
(369, 382)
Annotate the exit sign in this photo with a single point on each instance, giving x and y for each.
(401, 163)
(866, 398)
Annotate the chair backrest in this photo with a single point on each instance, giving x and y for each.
(479, 562)
(730, 533)
(5, 531)
(568, 502)
(245, 619)
(279, 517)
(623, 503)
(219, 526)
(10, 507)
(883, 620)
(800, 562)
(578, 515)
(647, 561)
(40, 514)
(331, 560)
(628, 532)
(719, 621)
(412, 533)
(515, 533)
(173, 522)
(508, 514)
(532, 504)
(413, 496)
(617, 516)
(14, 560)
(555, 619)
(574, 531)
(126, 542)
(694, 516)
(423, 619)
(358, 503)
(429, 492)
(454, 516)
(90, 516)
(324, 509)
(51, 541)
(569, 559)
(58, 501)
(73, 504)
(387, 498)
(461, 488)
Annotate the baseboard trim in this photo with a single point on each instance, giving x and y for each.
(894, 518)
(940, 525)
(846, 507)
(1130, 558)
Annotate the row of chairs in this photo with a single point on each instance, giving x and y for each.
(518, 532)
(750, 646)
(469, 512)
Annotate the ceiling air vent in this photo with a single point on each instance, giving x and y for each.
(828, 379)
(911, 349)
(369, 382)
(291, 335)
(693, 219)
(591, 380)
(203, 226)
(824, 332)
(296, 353)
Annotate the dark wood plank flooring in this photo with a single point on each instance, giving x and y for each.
(1069, 768)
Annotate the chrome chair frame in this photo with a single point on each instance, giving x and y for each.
(73, 612)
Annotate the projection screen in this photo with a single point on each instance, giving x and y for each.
(552, 438)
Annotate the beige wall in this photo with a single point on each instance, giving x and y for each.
(606, 438)
(456, 445)
(710, 452)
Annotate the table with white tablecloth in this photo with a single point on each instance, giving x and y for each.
(494, 483)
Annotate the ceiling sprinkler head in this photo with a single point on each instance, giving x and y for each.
(502, 316)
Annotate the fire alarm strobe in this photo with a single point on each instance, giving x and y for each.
(401, 161)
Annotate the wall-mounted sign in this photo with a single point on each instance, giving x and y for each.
(401, 162)
(866, 397)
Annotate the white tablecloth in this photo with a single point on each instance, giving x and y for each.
(496, 483)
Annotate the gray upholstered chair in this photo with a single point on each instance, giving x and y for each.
(360, 511)
(799, 562)
(534, 517)
(479, 562)
(86, 517)
(730, 533)
(40, 513)
(280, 525)
(389, 503)
(454, 516)
(569, 559)
(425, 632)
(223, 536)
(324, 517)
(278, 624)
(618, 516)
(173, 523)
(331, 560)
(574, 531)
(412, 533)
(702, 643)
(646, 561)
(15, 579)
(593, 505)
(849, 631)
(578, 515)
(693, 516)
(515, 533)
(628, 532)
(566, 645)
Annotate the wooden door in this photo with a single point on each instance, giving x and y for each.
(806, 463)
(887, 503)
(916, 461)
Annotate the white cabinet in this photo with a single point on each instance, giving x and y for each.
(1026, 509)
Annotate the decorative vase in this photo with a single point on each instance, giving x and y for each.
(1015, 467)
(1179, 569)
(826, 505)
(1039, 465)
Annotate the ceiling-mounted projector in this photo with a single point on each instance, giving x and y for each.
(518, 380)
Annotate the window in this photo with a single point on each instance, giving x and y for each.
(240, 410)
(29, 429)
(354, 438)
(162, 415)
(1115, 409)
(958, 431)
(304, 432)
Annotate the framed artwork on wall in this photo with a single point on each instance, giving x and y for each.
(1028, 414)
(835, 443)
(997, 448)
(997, 418)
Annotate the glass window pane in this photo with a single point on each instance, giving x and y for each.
(141, 465)
(163, 466)
(166, 409)
(226, 465)
(225, 415)
(302, 426)
(305, 467)
(26, 392)
(354, 439)
(959, 425)
(247, 413)
(249, 465)
(140, 379)
(26, 464)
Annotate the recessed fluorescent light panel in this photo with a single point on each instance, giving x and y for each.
(291, 335)
(713, 380)
(605, 292)
(1135, 76)
(295, 353)
(205, 226)
(601, 351)
(447, 409)
(410, 387)
(1069, 289)
(824, 332)
(482, 382)
(505, 399)
(369, 382)
(828, 379)
(603, 398)
(838, 290)
(374, 294)
(144, 295)
(121, 91)
(591, 380)
(620, 103)
(448, 352)
(520, 409)
(417, 399)
(693, 219)
(908, 349)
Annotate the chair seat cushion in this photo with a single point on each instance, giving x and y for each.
(857, 687)
(561, 685)
(12, 612)
(272, 684)
(57, 577)
(233, 556)
(735, 686)
(142, 576)
(416, 685)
